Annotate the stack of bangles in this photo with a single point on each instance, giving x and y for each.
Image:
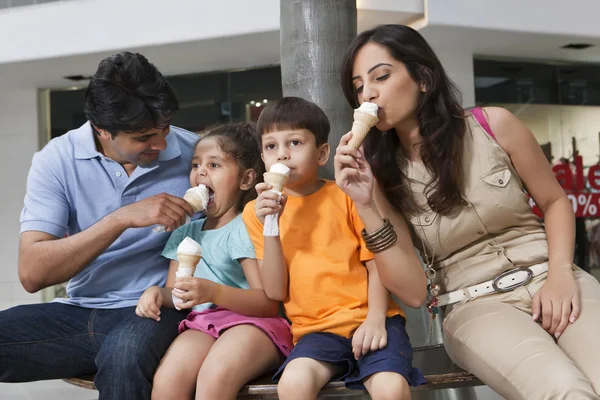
(382, 239)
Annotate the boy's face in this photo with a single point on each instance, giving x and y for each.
(297, 149)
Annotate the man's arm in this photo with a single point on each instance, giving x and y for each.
(45, 260)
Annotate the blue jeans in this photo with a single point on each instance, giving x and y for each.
(53, 341)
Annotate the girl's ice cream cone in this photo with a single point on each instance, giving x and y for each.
(197, 197)
(189, 254)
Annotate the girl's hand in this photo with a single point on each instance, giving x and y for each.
(195, 291)
(149, 304)
(353, 173)
(267, 202)
(557, 302)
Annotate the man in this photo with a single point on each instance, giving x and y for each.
(93, 197)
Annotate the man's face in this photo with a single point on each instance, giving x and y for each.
(137, 148)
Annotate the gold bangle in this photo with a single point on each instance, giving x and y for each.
(382, 239)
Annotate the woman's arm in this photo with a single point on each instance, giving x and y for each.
(558, 300)
(399, 268)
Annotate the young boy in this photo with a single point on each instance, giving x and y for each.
(320, 268)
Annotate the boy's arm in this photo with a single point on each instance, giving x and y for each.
(269, 252)
(372, 335)
(273, 269)
(378, 295)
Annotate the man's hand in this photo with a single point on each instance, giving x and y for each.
(149, 304)
(370, 336)
(267, 202)
(162, 209)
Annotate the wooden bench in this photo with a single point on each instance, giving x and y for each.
(440, 373)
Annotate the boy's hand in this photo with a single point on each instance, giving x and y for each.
(370, 336)
(149, 304)
(267, 202)
(353, 173)
(195, 291)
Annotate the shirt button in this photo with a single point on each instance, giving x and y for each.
(500, 181)
(480, 233)
(426, 219)
(499, 252)
(119, 174)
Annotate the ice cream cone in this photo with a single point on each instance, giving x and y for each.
(187, 260)
(363, 122)
(197, 197)
(276, 180)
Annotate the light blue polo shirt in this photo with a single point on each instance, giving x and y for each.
(71, 186)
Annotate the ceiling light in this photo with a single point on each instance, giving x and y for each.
(577, 46)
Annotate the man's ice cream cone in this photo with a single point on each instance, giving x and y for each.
(197, 197)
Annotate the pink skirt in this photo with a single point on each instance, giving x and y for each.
(217, 320)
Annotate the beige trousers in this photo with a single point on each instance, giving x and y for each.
(495, 338)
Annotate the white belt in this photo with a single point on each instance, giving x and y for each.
(505, 282)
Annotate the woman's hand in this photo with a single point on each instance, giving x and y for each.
(353, 173)
(557, 302)
(195, 291)
(149, 304)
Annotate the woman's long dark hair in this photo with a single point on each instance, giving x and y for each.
(440, 115)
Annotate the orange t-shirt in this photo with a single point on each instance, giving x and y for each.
(325, 255)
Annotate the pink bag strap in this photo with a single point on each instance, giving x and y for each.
(480, 118)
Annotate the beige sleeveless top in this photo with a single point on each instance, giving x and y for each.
(493, 230)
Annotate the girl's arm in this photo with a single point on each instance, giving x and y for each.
(557, 302)
(252, 302)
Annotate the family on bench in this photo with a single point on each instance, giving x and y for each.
(292, 276)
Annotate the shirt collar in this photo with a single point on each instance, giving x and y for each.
(85, 146)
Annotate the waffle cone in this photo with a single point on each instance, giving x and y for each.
(276, 180)
(188, 260)
(363, 122)
(195, 201)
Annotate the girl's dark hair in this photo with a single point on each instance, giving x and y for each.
(440, 115)
(239, 141)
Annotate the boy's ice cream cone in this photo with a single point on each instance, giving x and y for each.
(276, 180)
(365, 117)
(276, 177)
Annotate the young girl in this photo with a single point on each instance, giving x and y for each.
(233, 334)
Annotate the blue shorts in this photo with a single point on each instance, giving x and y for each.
(334, 349)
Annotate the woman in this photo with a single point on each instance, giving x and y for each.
(519, 313)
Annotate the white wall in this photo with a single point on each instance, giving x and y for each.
(573, 17)
(18, 142)
(459, 67)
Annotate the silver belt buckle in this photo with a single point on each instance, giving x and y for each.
(516, 285)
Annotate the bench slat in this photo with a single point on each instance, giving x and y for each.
(440, 373)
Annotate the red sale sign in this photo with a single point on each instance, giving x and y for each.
(585, 204)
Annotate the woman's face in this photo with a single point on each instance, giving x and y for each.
(381, 79)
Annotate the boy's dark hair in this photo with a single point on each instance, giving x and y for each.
(239, 141)
(127, 93)
(294, 113)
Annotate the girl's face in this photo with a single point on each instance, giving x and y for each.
(221, 175)
(381, 79)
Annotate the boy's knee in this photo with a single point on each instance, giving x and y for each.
(297, 384)
(388, 386)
